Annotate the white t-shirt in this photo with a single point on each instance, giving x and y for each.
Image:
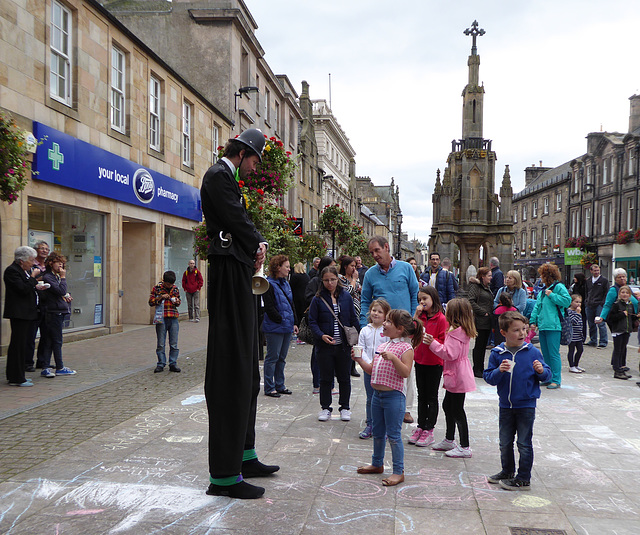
(370, 338)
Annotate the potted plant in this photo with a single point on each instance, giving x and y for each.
(15, 166)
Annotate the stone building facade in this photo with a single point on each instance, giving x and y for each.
(540, 219)
(127, 142)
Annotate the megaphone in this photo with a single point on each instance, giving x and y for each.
(259, 283)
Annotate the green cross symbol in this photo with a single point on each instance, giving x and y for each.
(56, 156)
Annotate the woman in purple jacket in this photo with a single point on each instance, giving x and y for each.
(55, 301)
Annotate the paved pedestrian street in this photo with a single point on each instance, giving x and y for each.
(129, 456)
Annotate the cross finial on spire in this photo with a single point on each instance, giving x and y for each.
(474, 32)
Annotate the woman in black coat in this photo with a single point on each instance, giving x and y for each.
(298, 282)
(481, 300)
(21, 308)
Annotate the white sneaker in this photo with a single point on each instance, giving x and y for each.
(324, 415)
(573, 369)
(459, 451)
(345, 415)
(444, 445)
(582, 370)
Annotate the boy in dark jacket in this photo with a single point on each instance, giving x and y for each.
(516, 368)
(620, 320)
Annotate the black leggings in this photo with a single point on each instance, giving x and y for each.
(427, 383)
(578, 348)
(453, 407)
(479, 351)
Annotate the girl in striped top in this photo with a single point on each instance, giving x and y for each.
(389, 370)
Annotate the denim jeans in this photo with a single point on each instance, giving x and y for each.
(172, 326)
(369, 390)
(387, 412)
(274, 361)
(550, 347)
(518, 421)
(592, 312)
(53, 340)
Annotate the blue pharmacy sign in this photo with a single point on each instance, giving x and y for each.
(64, 160)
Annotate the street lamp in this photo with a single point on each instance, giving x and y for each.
(399, 222)
(243, 91)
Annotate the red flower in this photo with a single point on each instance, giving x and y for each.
(241, 183)
(259, 207)
(261, 192)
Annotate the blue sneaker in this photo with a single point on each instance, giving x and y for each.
(65, 371)
(47, 372)
(366, 432)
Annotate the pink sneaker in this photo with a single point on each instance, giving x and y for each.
(426, 439)
(415, 436)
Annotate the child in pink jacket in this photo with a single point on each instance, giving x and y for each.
(458, 375)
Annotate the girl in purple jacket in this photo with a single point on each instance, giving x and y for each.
(457, 373)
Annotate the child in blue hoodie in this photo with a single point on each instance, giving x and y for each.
(516, 367)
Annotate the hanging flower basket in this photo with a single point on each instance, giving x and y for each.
(624, 236)
(588, 259)
(15, 166)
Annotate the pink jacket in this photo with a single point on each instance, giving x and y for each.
(457, 373)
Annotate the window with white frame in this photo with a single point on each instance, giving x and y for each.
(60, 47)
(631, 158)
(556, 233)
(524, 240)
(603, 218)
(257, 93)
(216, 139)
(267, 105)
(186, 133)
(515, 215)
(545, 205)
(545, 236)
(574, 223)
(117, 89)
(612, 219)
(576, 181)
(587, 221)
(524, 212)
(534, 209)
(629, 212)
(154, 113)
(605, 170)
(277, 118)
(534, 237)
(589, 174)
(558, 201)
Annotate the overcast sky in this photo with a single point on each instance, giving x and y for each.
(553, 71)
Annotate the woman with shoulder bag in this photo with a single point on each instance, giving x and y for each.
(331, 307)
(278, 325)
(481, 300)
(553, 298)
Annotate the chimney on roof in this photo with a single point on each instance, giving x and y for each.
(634, 114)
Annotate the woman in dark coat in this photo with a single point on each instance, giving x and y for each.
(21, 308)
(298, 281)
(333, 351)
(481, 300)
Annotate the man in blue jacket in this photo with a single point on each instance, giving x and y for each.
(516, 367)
(439, 278)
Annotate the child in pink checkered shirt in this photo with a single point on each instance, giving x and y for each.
(389, 370)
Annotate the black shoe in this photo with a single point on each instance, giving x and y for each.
(174, 368)
(355, 374)
(257, 469)
(33, 369)
(619, 374)
(158, 369)
(496, 478)
(272, 394)
(515, 484)
(591, 344)
(623, 369)
(477, 374)
(286, 392)
(242, 491)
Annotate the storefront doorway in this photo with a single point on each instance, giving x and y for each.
(136, 271)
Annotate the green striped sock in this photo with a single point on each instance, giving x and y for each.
(249, 455)
(225, 481)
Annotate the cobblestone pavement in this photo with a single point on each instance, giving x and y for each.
(130, 456)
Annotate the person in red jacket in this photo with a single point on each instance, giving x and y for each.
(428, 367)
(191, 284)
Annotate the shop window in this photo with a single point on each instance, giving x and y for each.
(178, 250)
(78, 235)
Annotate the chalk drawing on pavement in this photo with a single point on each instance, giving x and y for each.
(403, 521)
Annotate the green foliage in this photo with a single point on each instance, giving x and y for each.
(350, 237)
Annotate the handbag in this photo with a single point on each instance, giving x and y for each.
(158, 317)
(350, 333)
(566, 327)
(305, 334)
